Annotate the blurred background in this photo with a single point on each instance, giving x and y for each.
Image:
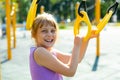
(62, 9)
(65, 13)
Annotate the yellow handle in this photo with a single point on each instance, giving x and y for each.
(104, 21)
(31, 15)
(77, 26)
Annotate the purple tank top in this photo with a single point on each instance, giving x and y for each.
(40, 72)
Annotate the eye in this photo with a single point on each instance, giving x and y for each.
(44, 31)
(53, 31)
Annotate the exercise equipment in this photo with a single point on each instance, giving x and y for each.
(13, 23)
(31, 14)
(8, 23)
(111, 11)
(83, 17)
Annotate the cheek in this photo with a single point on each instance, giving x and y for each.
(38, 36)
(55, 36)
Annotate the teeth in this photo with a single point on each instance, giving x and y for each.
(48, 40)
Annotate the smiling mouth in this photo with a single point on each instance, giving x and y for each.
(49, 41)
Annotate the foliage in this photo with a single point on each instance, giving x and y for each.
(2, 10)
(105, 4)
(62, 9)
(23, 7)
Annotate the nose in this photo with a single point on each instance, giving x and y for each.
(49, 33)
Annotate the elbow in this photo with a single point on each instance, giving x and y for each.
(70, 74)
(70, 71)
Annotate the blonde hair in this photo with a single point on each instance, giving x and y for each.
(43, 20)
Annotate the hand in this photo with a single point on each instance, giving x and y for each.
(78, 40)
(93, 35)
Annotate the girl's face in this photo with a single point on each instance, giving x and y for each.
(46, 36)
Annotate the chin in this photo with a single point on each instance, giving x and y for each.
(48, 47)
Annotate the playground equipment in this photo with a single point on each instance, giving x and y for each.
(10, 14)
(97, 11)
(10, 18)
(13, 22)
(82, 16)
(31, 14)
(97, 20)
(8, 22)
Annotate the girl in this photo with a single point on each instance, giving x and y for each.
(47, 63)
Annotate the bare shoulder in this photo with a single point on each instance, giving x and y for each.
(41, 55)
(40, 50)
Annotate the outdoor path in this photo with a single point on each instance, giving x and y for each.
(106, 67)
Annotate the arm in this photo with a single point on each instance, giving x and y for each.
(84, 45)
(66, 57)
(43, 57)
(83, 49)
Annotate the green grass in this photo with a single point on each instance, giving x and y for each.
(65, 26)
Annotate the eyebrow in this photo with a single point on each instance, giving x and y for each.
(49, 26)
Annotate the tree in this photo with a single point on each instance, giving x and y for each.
(2, 10)
(23, 8)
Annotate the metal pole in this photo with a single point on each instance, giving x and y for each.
(13, 15)
(97, 11)
(8, 29)
(97, 17)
